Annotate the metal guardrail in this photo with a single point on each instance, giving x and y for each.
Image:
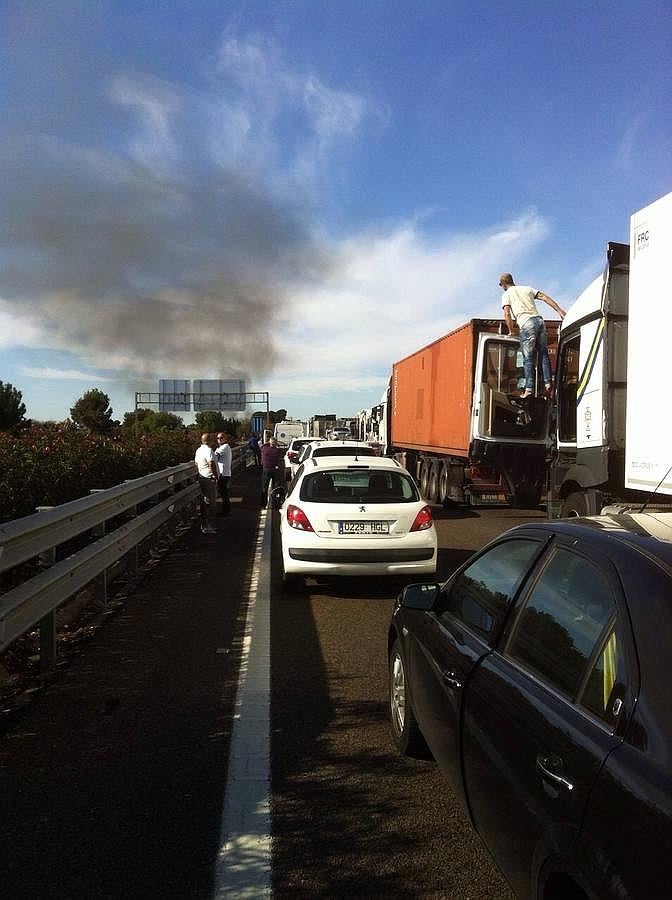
(36, 600)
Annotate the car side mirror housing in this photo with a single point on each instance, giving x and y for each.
(419, 596)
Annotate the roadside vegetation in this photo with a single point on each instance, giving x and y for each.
(49, 463)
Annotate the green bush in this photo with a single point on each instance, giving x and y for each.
(50, 464)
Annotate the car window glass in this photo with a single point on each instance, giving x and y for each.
(343, 451)
(480, 594)
(564, 617)
(358, 486)
(605, 687)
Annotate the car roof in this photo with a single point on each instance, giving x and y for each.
(322, 463)
(344, 444)
(649, 532)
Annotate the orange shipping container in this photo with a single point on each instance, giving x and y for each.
(433, 389)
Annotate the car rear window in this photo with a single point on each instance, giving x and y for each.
(343, 451)
(358, 486)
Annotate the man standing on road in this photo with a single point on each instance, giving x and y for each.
(207, 480)
(271, 460)
(223, 456)
(519, 307)
(253, 444)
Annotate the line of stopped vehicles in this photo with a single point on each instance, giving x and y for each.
(536, 675)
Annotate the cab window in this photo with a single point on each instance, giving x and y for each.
(567, 389)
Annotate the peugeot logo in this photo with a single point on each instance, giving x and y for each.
(362, 509)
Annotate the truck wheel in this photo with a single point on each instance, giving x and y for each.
(425, 474)
(575, 505)
(405, 730)
(433, 486)
(443, 484)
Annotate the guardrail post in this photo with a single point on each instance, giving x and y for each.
(100, 583)
(171, 523)
(133, 555)
(47, 626)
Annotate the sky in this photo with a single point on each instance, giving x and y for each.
(299, 193)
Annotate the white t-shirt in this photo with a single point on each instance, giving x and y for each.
(223, 457)
(202, 459)
(520, 297)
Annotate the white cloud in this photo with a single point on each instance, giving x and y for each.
(390, 294)
(624, 157)
(17, 331)
(282, 118)
(156, 102)
(63, 374)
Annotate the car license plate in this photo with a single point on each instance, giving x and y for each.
(363, 527)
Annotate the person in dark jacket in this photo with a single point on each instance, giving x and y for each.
(271, 462)
(253, 444)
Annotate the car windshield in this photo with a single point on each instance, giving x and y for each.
(343, 451)
(358, 485)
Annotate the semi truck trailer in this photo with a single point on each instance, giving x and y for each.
(455, 419)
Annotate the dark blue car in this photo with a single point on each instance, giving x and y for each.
(540, 677)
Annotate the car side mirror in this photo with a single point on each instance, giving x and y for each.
(419, 596)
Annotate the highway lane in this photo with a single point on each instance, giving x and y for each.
(112, 782)
(351, 817)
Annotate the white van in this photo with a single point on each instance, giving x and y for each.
(285, 431)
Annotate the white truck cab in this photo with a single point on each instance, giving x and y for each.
(613, 439)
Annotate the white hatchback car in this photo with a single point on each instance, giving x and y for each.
(348, 516)
(317, 448)
(294, 451)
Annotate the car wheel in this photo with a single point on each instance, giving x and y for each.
(405, 730)
(292, 583)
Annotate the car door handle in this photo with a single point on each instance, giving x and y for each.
(546, 765)
(451, 679)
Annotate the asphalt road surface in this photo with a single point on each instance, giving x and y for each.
(112, 781)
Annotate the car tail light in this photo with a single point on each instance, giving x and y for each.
(292, 455)
(423, 519)
(298, 519)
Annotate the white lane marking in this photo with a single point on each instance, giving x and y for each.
(243, 867)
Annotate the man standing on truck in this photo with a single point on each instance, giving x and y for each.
(520, 308)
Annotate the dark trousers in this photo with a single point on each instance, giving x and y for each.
(223, 485)
(268, 476)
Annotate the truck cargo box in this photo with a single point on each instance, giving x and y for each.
(432, 391)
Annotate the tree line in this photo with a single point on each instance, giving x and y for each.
(49, 463)
(93, 413)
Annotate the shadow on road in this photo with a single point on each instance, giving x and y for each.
(351, 818)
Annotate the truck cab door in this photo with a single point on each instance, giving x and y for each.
(581, 387)
(497, 412)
